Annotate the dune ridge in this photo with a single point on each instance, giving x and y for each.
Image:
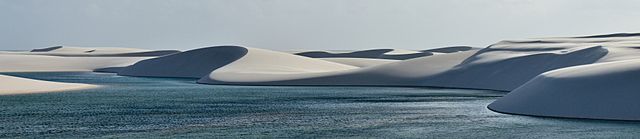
(201, 62)
(401, 73)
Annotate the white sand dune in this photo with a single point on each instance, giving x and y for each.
(63, 59)
(502, 66)
(10, 85)
(401, 73)
(598, 91)
(393, 54)
(499, 67)
(42, 60)
(604, 89)
(190, 64)
(360, 62)
(41, 63)
(229, 59)
(505, 67)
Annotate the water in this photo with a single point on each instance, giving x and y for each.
(134, 107)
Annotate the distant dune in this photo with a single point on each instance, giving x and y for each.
(77, 50)
(43, 63)
(451, 49)
(98, 52)
(62, 59)
(228, 60)
(401, 73)
(190, 64)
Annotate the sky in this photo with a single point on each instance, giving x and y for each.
(304, 24)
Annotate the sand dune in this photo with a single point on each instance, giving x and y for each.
(603, 89)
(190, 64)
(505, 67)
(499, 67)
(66, 59)
(10, 85)
(599, 91)
(401, 73)
(40, 63)
(229, 59)
(62, 58)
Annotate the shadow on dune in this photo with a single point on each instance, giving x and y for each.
(189, 64)
(374, 53)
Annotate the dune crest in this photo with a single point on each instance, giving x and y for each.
(189, 64)
(228, 59)
(604, 89)
(451, 49)
(499, 67)
(401, 73)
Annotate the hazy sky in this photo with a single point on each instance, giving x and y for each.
(304, 24)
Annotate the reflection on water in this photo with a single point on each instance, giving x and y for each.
(169, 107)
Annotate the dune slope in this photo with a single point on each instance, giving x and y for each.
(41, 63)
(360, 62)
(228, 59)
(10, 85)
(189, 64)
(503, 66)
(598, 91)
(401, 73)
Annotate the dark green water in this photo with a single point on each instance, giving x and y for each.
(132, 107)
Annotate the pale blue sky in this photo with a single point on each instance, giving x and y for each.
(304, 24)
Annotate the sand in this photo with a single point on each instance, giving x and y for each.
(360, 62)
(199, 63)
(10, 85)
(66, 59)
(401, 73)
(602, 89)
(63, 59)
